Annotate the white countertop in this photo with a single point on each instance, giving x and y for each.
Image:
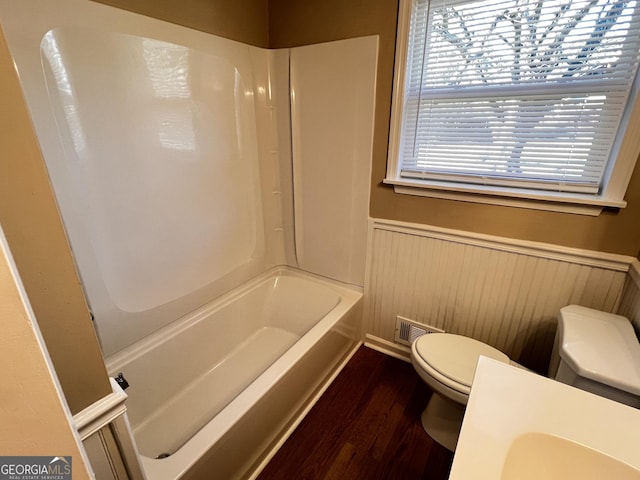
(507, 402)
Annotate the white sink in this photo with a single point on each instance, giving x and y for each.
(535, 456)
(522, 426)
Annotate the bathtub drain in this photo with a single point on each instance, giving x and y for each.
(163, 455)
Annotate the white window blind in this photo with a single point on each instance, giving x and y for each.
(515, 93)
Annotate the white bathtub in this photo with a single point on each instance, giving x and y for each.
(223, 386)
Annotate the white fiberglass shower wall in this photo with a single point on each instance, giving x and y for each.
(161, 219)
(169, 152)
(144, 181)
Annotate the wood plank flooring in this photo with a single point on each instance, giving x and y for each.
(365, 426)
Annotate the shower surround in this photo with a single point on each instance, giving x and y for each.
(215, 195)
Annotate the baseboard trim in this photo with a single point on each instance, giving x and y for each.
(387, 347)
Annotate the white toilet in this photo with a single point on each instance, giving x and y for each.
(447, 363)
(593, 350)
(597, 352)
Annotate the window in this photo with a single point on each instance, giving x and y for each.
(516, 98)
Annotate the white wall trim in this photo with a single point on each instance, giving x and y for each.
(40, 348)
(101, 413)
(389, 348)
(579, 204)
(592, 258)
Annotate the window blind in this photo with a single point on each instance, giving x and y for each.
(511, 93)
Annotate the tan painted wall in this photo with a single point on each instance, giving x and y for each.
(29, 217)
(294, 23)
(33, 416)
(241, 20)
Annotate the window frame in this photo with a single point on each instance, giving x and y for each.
(626, 150)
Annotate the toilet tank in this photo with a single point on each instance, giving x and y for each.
(597, 352)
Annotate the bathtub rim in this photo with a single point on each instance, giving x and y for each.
(179, 463)
(115, 361)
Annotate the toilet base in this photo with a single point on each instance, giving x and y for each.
(442, 420)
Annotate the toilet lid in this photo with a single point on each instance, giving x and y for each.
(454, 357)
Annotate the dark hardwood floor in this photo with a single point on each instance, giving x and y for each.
(365, 426)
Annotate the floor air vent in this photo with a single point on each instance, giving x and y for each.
(408, 330)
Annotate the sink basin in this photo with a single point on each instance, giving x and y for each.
(522, 426)
(535, 455)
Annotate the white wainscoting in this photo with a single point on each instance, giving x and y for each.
(106, 435)
(630, 304)
(501, 291)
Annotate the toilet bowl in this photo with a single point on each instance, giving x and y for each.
(447, 363)
(593, 350)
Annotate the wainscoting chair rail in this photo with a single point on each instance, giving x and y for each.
(549, 251)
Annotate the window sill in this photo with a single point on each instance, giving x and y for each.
(574, 203)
